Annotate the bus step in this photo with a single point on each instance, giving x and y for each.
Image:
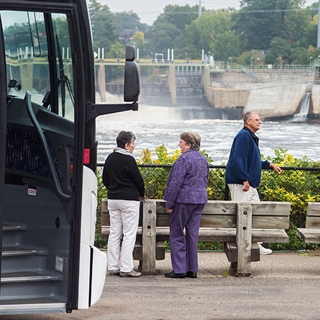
(34, 305)
(18, 251)
(8, 228)
(27, 277)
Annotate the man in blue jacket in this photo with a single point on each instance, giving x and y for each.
(244, 166)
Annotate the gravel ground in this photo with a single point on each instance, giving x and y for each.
(282, 286)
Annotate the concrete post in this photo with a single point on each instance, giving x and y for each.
(102, 82)
(172, 84)
(26, 71)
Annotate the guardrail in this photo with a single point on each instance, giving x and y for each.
(217, 65)
(238, 225)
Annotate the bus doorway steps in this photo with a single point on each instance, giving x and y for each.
(27, 306)
(25, 273)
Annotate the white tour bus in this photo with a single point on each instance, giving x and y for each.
(48, 151)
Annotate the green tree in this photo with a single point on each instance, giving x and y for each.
(313, 9)
(212, 32)
(278, 27)
(310, 34)
(227, 45)
(161, 37)
(127, 24)
(269, 58)
(179, 16)
(297, 22)
(102, 21)
(168, 29)
(280, 48)
(138, 41)
(117, 50)
(260, 21)
(115, 73)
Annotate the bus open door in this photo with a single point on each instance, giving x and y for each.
(48, 149)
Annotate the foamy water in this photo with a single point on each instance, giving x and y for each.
(154, 126)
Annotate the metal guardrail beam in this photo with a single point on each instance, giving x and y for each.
(219, 167)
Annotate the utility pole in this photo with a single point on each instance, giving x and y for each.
(318, 34)
(200, 9)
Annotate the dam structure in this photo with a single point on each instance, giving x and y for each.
(275, 92)
(227, 90)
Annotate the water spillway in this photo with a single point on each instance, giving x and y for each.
(304, 110)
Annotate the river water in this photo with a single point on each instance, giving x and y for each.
(154, 126)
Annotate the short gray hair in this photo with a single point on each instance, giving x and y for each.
(125, 137)
(248, 115)
(191, 138)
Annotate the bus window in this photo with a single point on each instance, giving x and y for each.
(63, 66)
(27, 59)
(26, 54)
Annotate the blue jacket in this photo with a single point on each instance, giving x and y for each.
(244, 162)
(188, 179)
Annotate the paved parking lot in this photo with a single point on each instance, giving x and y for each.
(282, 286)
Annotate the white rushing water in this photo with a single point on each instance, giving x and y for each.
(154, 126)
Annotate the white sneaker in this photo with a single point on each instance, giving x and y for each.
(264, 250)
(131, 274)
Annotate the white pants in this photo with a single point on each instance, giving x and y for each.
(124, 219)
(237, 193)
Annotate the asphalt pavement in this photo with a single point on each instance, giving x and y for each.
(282, 286)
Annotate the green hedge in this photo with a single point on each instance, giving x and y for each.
(295, 186)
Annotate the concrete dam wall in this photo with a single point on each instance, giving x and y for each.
(274, 94)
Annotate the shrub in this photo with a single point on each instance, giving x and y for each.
(293, 185)
(102, 193)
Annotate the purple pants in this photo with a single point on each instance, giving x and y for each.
(184, 246)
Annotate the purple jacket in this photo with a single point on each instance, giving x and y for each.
(188, 180)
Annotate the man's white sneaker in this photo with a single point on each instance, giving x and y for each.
(264, 250)
(131, 274)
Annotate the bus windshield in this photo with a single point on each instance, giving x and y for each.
(28, 54)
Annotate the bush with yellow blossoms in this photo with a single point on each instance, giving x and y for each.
(295, 185)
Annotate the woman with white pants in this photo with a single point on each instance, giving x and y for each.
(125, 185)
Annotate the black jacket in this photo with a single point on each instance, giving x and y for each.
(122, 177)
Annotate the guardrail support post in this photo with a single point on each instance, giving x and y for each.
(243, 238)
(149, 232)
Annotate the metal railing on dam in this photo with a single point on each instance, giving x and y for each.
(215, 67)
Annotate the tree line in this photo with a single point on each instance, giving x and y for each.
(265, 32)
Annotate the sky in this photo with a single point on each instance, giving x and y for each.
(149, 10)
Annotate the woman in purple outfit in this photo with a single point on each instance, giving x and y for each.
(186, 195)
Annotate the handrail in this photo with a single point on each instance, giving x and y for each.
(45, 146)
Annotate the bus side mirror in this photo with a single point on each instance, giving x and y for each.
(131, 76)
